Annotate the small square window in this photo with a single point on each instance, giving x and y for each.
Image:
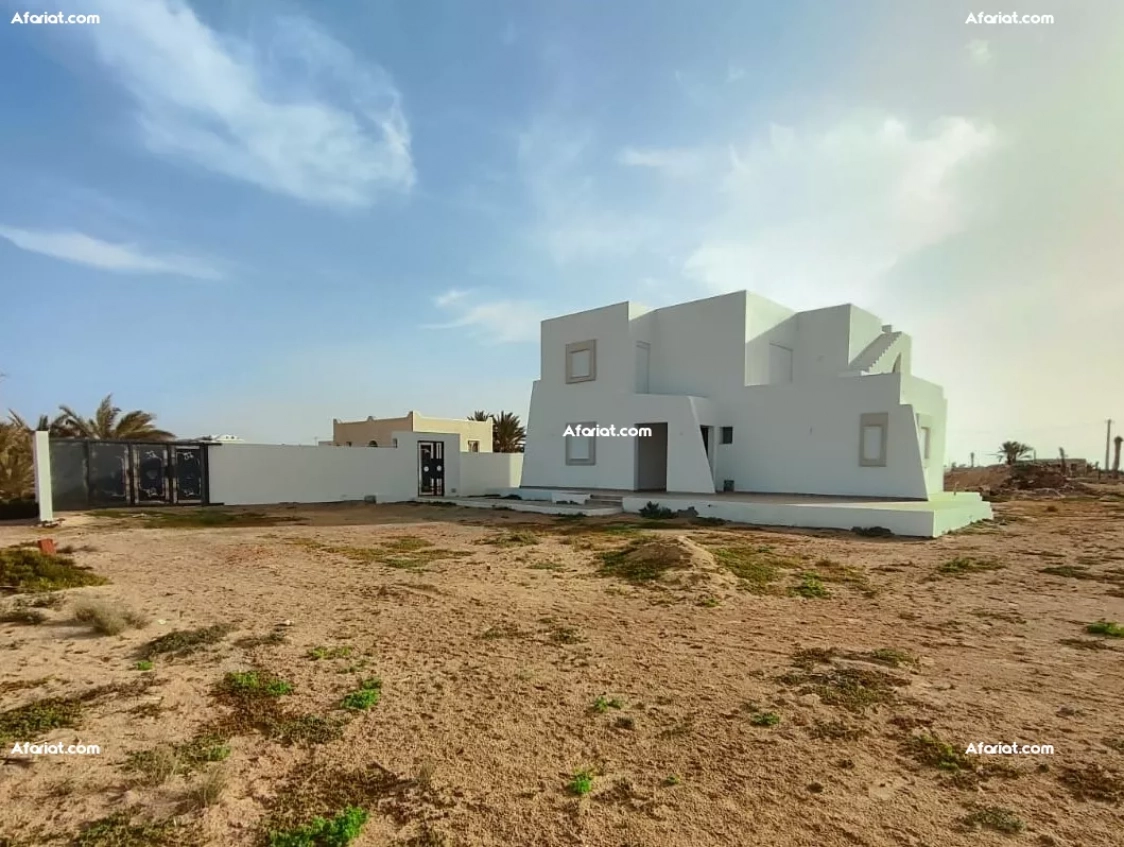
(580, 449)
(473, 446)
(872, 439)
(581, 361)
(727, 435)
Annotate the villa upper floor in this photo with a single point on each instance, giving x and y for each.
(709, 347)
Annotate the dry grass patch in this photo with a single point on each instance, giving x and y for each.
(204, 518)
(512, 538)
(27, 723)
(252, 700)
(161, 763)
(964, 565)
(758, 568)
(409, 552)
(119, 830)
(1093, 782)
(331, 800)
(850, 688)
(184, 642)
(25, 569)
(106, 618)
(994, 818)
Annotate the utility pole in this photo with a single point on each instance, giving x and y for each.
(1107, 441)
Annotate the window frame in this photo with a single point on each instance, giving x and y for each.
(590, 347)
(723, 432)
(592, 439)
(473, 445)
(880, 420)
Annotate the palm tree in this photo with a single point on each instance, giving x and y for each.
(108, 422)
(508, 434)
(17, 469)
(57, 427)
(1012, 451)
(479, 416)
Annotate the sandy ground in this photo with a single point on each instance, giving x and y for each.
(492, 654)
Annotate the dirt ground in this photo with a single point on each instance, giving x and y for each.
(596, 682)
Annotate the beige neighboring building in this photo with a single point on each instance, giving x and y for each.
(476, 436)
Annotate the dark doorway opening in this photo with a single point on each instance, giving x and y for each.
(651, 458)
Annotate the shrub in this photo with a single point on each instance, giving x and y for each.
(367, 695)
(323, 832)
(107, 619)
(656, 512)
(581, 783)
(26, 569)
(1111, 629)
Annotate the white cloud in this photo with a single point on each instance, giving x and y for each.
(813, 212)
(979, 52)
(672, 162)
(496, 321)
(126, 258)
(299, 115)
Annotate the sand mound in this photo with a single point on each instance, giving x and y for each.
(671, 560)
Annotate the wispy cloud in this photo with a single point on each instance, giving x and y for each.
(496, 321)
(672, 162)
(298, 115)
(83, 249)
(836, 208)
(734, 73)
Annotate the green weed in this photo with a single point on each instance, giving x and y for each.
(367, 695)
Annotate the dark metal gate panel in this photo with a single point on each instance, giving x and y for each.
(151, 474)
(431, 468)
(69, 476)
(89, 474)
(190, 467)
(109, 474)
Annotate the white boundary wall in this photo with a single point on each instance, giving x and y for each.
(260, 474)
(482, 472)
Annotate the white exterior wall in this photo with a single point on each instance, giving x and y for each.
(781, 379)
(482, 472)
(805, 439)
(544, 463)
(259, 474)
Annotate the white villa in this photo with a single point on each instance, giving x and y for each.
(741, 395)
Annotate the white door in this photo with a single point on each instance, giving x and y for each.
(643, 356)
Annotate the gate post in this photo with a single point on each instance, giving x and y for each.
(43, 492)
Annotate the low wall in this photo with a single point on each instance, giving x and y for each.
(258, 474)
(482, 472)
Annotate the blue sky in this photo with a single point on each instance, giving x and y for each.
(252, 217)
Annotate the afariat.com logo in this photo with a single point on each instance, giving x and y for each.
(28, 748)
(1007, 18)
(54, 18)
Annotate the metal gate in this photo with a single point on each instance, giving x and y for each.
(100, 474)
(431, 468)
